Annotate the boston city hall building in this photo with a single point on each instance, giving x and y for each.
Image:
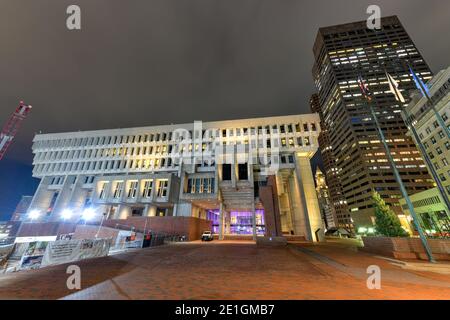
(248, 176)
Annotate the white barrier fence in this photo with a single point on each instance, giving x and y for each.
(42, 254)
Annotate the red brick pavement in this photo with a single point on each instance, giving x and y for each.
(227, 271)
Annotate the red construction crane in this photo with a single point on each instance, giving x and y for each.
(12, 126)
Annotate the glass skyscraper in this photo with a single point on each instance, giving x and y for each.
(342, 53)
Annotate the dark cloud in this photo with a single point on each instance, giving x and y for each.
(142, 62)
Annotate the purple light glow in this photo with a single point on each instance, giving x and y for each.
(241, 222)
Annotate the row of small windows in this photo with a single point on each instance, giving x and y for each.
(391, 28)
(424, 202)
(161, 137)
(200, 185)
(138, 163)
(439, 94)
(435, 125)
(155, 150)
(158, 163)
(58, 181)
(133, 189)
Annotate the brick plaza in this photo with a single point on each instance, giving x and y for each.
(229, 270)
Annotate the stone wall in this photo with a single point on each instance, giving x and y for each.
(190, 227)
(90, 231)
(269, 197)
(38, 229)
(406, 248)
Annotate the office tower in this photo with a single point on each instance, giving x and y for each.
(433, 137)
(338, 204)
(342, 53)
(430, 204)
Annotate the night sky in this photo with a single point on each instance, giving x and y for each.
(149, 62)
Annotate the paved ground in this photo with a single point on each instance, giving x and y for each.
(229, 270)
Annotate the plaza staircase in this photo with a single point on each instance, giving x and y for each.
(237, 198)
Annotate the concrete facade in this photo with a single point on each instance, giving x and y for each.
(432, 210)
(407, 248)
(433, 140)
(323, 195)
(210, 170)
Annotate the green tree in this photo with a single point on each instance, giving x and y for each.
(386, 221)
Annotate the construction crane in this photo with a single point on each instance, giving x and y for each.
(12, 126)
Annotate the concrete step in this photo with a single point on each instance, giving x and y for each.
(439, 267)
(242, 237)
(294, 238)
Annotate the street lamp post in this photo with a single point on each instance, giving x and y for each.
(101, 224)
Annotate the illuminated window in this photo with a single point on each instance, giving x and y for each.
(132, 191)
(307, 141)
(291, 142)
(103, 190)
(162, 188)
(147, 191)
(118, 190)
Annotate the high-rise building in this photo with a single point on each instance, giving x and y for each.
(342, 53)
(323, 195)
(218, 171)
(430, 204)
(338, 204)
(433, 137)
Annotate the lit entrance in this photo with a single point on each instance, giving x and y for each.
(240, 222)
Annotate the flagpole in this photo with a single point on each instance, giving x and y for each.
(416, 220)
(402, 187)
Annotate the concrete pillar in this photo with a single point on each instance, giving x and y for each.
(149, 211)
(251, 177)
(202, 214)
(297, 205)
(221, 221)
(254, 220)
(234, 167)
(64, 197)
(122, 212)
(78, 197)
(312, 218)
(41, 199)
(227, 215)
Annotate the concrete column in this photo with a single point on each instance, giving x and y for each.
(41, 198)
(122, 212)
(297, 205)
(227, 215)
(221, 221)
(254, 220)
(234, 168)
(78, 197)
(149, 211)
(182, 176)
(65, 194)
(251, 177)
(312, 218)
